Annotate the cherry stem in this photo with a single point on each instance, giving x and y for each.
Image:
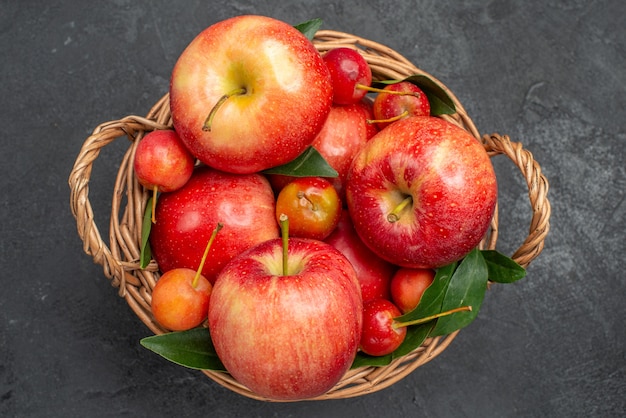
(155, 191)
(284, 227)
(389, 120)
(431, 317)
(302, 195)
(208, 122)
(377, 90)
(194, 283)
(394, 215)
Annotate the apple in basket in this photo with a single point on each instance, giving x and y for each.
(249, 93)
(422, 192)
(287, 333)
(243, 203)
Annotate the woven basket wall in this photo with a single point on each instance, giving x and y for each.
(119, 254)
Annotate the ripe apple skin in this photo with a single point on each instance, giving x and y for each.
(408, 285)
(287, 337)
(243, 203)
(162, 161)
(344, 134)
(373, 272)
(388, 105)
(288, 94)
(447, 174)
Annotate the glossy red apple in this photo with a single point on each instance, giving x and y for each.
(287, 336)
(389, 107)
(380, 336)
(344, 134)
(408, 285)
(249, 93)
(243, 203)
(312, 206)
(422, 192)
(373, 272)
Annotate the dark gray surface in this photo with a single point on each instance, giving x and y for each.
(549, 74)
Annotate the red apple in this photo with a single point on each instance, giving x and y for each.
(422, 192)
(412, 101)
(344, 134)
(243, 203)
(379, 336)
(373, 272)
(312, 206)
(287, 337)
(408, 285)
(249, 93)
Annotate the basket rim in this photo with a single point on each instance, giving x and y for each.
(120, 257)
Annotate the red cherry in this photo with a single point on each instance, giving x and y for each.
(379, 336)
(349, 73)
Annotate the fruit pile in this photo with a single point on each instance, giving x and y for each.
(306, 219)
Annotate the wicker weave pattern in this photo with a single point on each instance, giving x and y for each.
(120, 257)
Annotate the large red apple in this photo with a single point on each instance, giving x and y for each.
(186, 218)
(422, 192)
(273, 88)
(373, 272)
(287, 337)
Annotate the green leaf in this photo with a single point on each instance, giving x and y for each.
(433, 296)
(415, 336)
(440, 101)
(192, 348)
(502, 269)
(146, 253)
(363, 359)
(308, 164)
(467, 287)
(309, 28)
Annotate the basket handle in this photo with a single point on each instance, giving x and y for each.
(537, 193)
(81, 208)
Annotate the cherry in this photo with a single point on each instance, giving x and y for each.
(408, 285)
(397, 101)
(162, 163)
(349, 73)
(312, 205)
(380, 336)
(180, 298)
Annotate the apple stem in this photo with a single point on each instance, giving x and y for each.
(389, 120)
(155, 191)
(208, 122)
(377, 90)
(431, 317)
(194, 283)
(394, 215)
(302, 195)
(284, 227)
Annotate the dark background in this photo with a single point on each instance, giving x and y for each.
(550, 74)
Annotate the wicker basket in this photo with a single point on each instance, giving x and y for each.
(120, 258)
